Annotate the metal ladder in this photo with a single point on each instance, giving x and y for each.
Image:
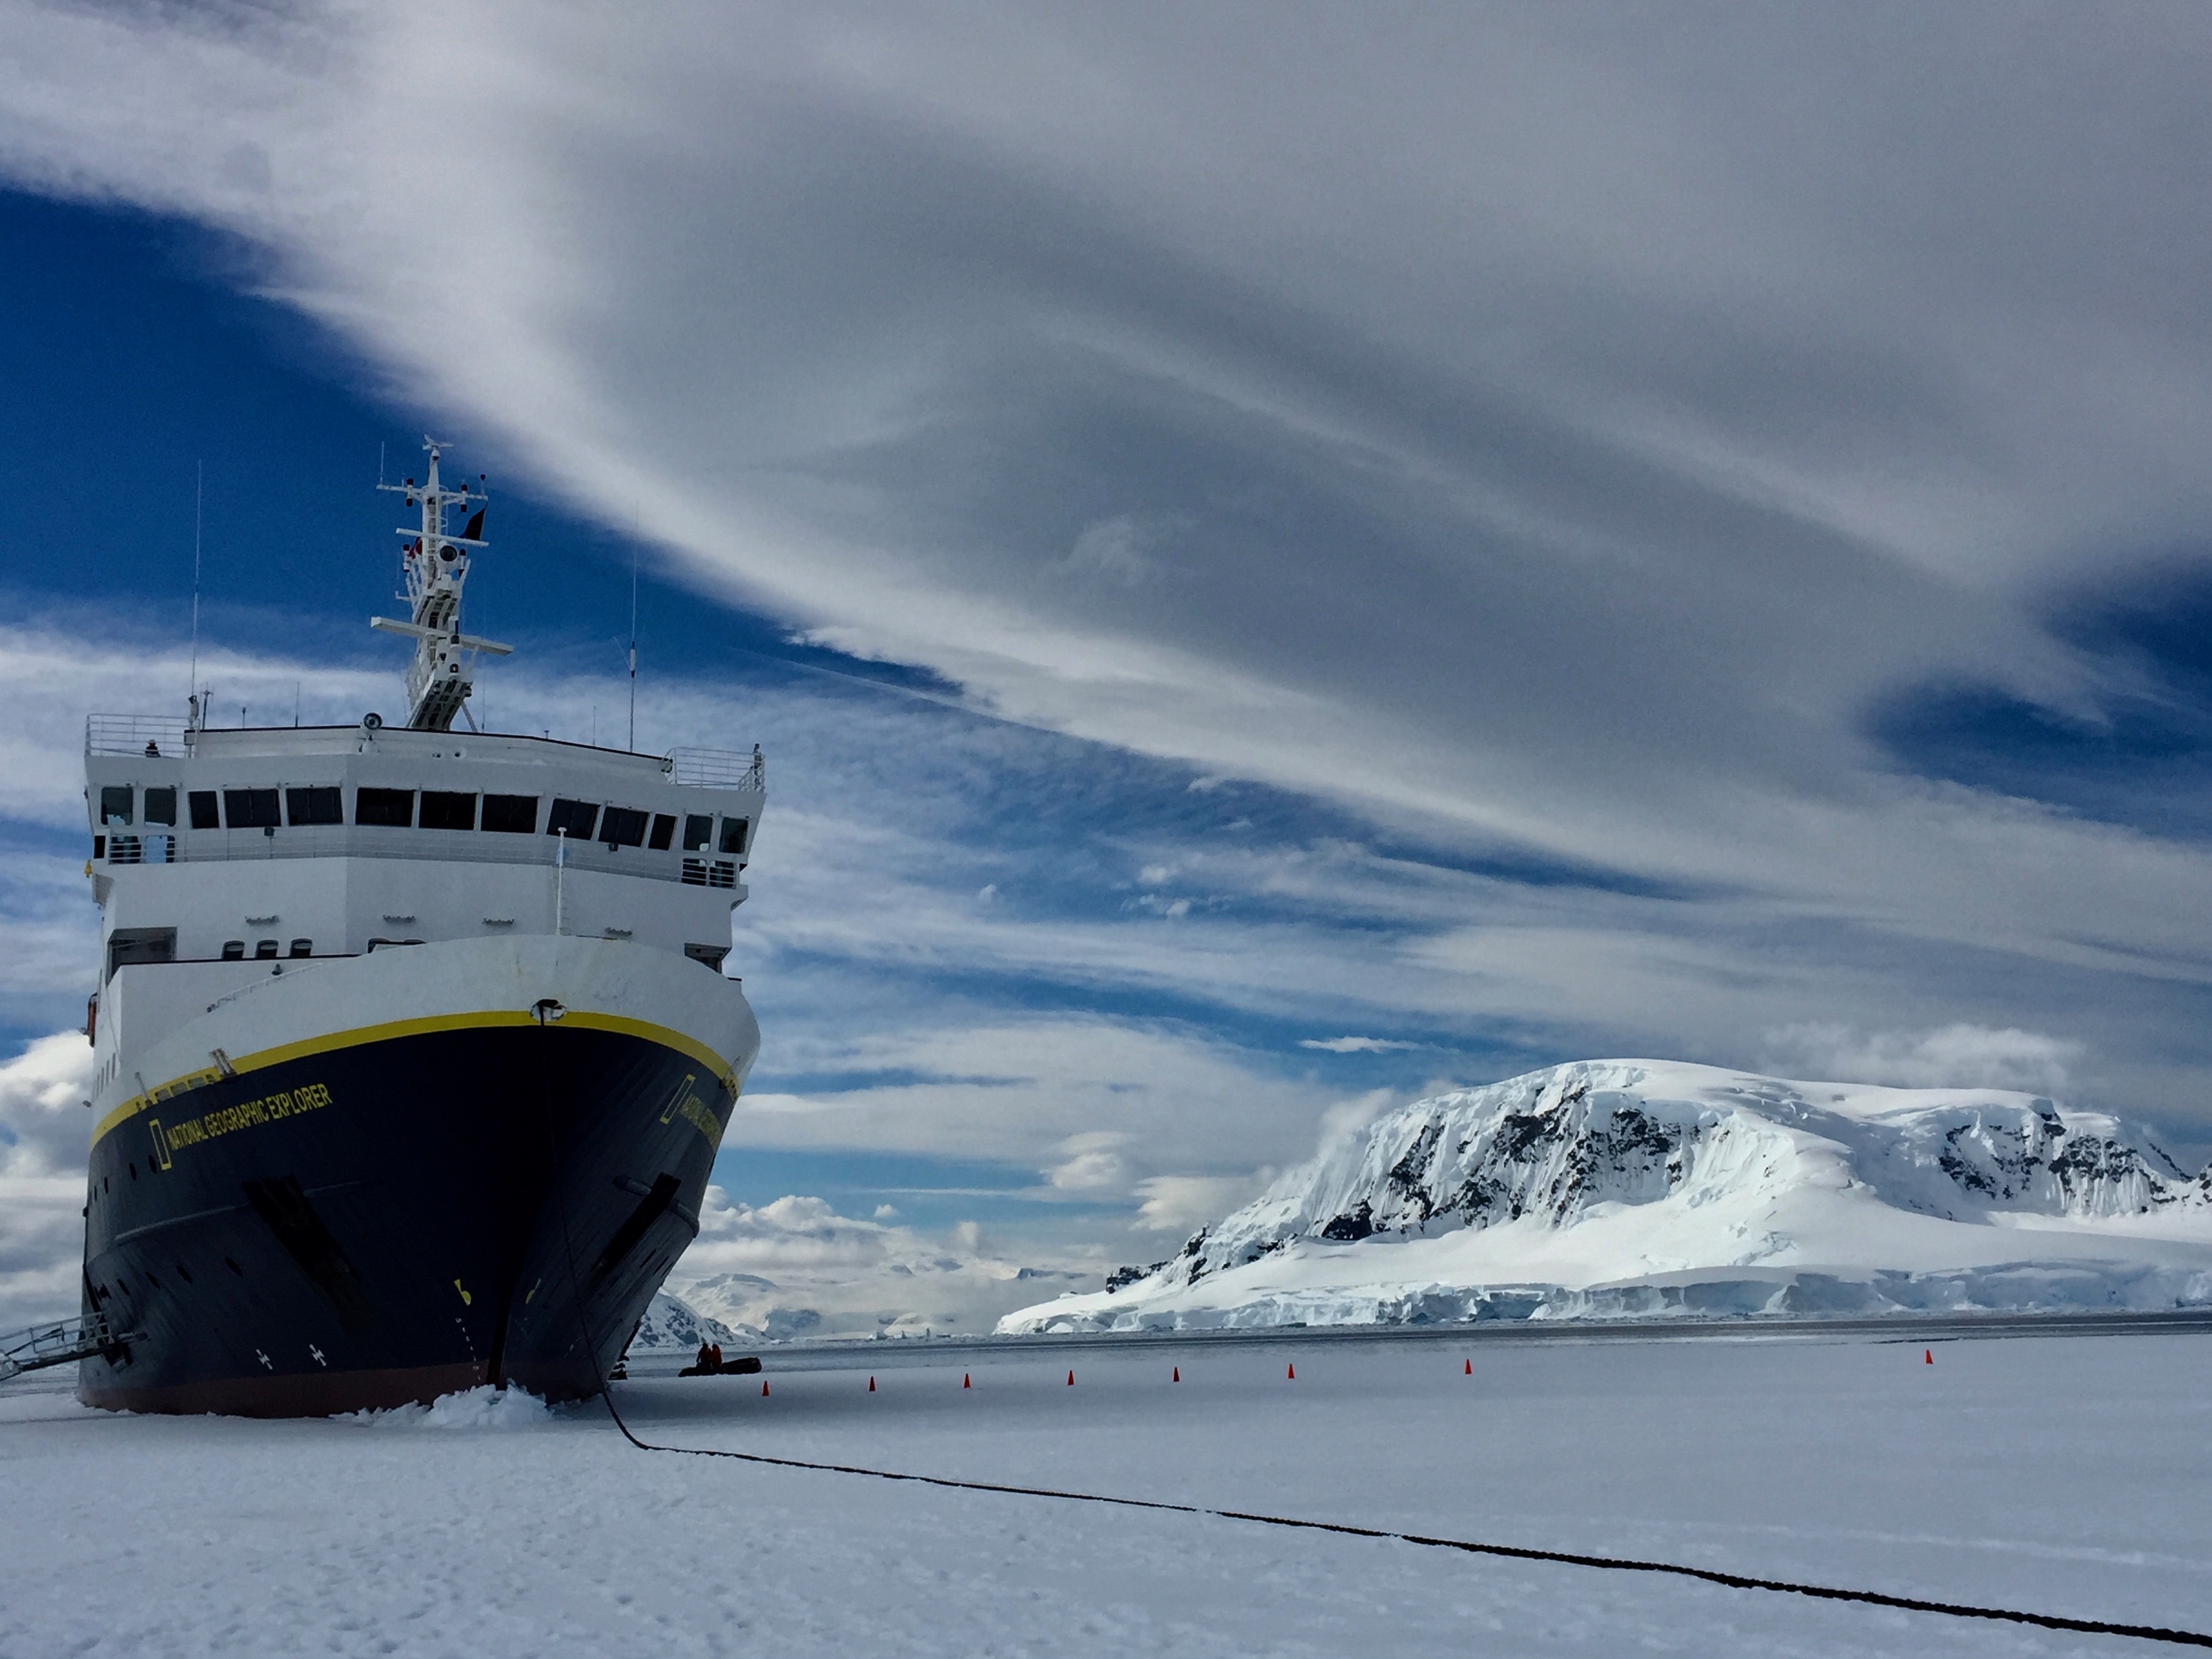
(84, 1338)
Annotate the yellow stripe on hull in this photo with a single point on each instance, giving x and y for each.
(482, 1019)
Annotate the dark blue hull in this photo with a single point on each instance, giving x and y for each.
(394, 1219)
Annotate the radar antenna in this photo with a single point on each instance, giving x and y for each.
(436, 563)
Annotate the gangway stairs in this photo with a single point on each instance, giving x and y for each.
(58, 1343)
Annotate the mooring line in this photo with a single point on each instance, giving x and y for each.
(1468, 1546)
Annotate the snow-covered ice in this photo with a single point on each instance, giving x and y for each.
(1636, 1188)
(2065, 1474)
(484, 1407)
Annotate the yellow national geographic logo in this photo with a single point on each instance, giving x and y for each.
(229, 1120)
(676, 1100)
(685, 1104)
(694, 1112)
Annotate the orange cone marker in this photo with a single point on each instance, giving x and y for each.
(1178, 1374)
(1470, 1369)
(1071, 1379)
(964, 1379)
(1291, 1373)
(1928, 1356)
(764, 1390)
(871, 1385)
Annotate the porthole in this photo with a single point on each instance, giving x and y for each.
(233, 1266)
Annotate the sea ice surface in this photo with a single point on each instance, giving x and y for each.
(2064, 1474)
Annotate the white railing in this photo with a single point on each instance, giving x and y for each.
(135, 734)
(141, 849)
(347, 840)
(58, 1344)
(719, 769)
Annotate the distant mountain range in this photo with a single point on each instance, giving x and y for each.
(1630, 1187)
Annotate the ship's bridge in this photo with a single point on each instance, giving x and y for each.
(219, 854)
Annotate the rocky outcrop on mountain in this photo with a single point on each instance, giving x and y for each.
(1626, 1172)
(671, 1325)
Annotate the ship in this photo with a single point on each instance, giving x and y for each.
(414, 1045)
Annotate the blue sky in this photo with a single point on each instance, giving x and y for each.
(1509, 539)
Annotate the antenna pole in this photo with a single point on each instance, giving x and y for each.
(633, 644)
(199, 496)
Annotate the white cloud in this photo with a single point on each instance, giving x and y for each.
(1349, 1117)
(44, 1135)
(1092, 1104)
(1354, 1045)
(1951, 1056)
(1091, 1162)
(797, 1267)
(1183, 1203)
(1118, 549)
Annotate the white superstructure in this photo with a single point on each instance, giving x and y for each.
(228, 857)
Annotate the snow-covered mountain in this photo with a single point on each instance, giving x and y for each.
(672, 1325)
(1627, 1186)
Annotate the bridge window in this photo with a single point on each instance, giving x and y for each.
(249, 809)
(115, 803)
(162, 805)
(577, 818)
(664, 831)
(698, 830)
(734, 835)
(393, 808)
(447, 809)
(623, 826)
(128, 944)
(319, 805)
(517, 815)
(204, 816)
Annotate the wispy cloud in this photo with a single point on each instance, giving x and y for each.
(1950, 1056)
(797, 1267)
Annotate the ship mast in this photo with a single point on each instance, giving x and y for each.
(436, 561)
